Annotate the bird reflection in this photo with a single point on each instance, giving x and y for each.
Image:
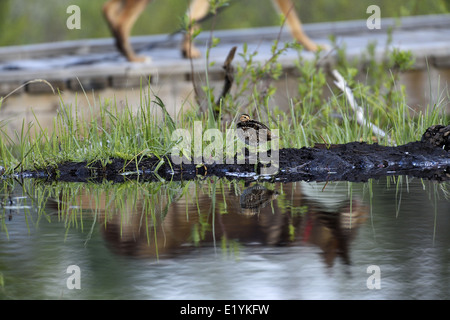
(254, 198)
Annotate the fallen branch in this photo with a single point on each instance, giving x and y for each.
(342, 85)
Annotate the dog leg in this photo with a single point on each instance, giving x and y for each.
(288, 10)
(197, 10)
(121, 16)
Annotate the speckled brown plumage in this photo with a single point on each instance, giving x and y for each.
(250, 131)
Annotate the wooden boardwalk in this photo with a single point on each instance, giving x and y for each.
(96, 64)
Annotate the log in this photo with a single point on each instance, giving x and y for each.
(354, 161)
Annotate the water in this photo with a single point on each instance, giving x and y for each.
(194, 240)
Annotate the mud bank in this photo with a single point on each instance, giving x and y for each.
(355, 161)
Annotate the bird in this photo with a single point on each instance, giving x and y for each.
(252, 132)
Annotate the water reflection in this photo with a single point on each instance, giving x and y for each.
(226, 215)
(225, 239)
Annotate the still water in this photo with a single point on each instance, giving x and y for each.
(218, 239)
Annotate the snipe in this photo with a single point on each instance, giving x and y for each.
(252, 132)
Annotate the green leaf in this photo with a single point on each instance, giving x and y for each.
(168, 119)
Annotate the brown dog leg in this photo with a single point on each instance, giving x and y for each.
(121, 16)
(288, 10)
(197, 10)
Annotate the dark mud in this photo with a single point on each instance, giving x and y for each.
(355, 161)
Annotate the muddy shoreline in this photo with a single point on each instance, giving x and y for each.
(353, 161)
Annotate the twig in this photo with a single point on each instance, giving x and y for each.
(342, 85)
(229, 75)
(212, 14)
(194, 85)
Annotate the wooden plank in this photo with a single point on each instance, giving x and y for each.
(88, 83)
(43, 88)
(315, 30)
(99, 65)
(7, 88)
